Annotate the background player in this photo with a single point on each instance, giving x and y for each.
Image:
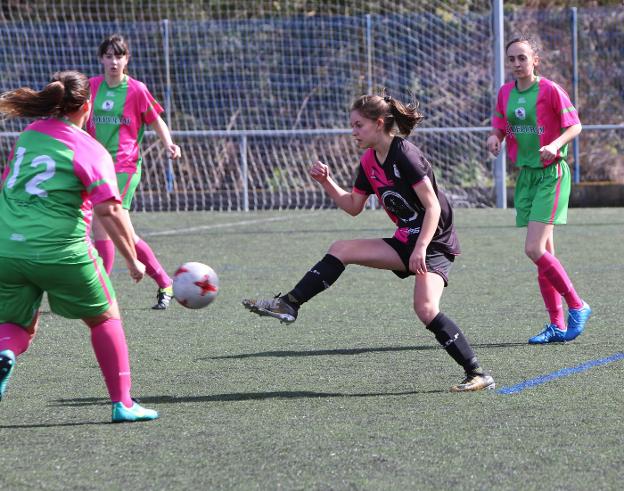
(121, 108)
(57, 175)
(537, 119)
(424, 244)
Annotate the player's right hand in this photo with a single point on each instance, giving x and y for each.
(319, 172)
(494, 145)
(136, 269)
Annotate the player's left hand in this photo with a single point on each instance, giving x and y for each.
(417, 264)
(548, 152)
(174, 151)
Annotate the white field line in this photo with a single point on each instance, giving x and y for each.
(226, 225)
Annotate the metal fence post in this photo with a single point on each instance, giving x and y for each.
(244, 171)
(500, 164)
(165, 25)
(576, 143)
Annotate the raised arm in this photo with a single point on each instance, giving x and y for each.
(352, 203)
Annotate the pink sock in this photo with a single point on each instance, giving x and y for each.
(106, 250)
(14, 337)
(152, 266)
(109, 343)
(550, 267)
(552, 300)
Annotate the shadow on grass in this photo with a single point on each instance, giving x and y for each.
(351, 351)
(56, 425)
(241, 396)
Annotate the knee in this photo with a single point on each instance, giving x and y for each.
(534, 251)
(426, 311)
(339, 249)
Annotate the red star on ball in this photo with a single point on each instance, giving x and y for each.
(206, 286)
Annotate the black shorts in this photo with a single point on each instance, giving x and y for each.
(437, 262)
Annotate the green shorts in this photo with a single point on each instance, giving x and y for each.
(75, 291)
(542, 195)
(128, 184)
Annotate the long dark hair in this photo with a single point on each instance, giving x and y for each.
(394, 113)
(65, 94)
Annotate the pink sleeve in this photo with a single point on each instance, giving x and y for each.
(148, 106)
(499, 121)
(5, 171)
(563, 107)
(94, 85)
(94, 167)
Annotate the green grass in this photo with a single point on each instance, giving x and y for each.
(354, 395)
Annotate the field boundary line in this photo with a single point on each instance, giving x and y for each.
(225, 225)
(564, 372)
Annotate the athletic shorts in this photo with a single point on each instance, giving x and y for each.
(437, 262)
(128, 184)
(542, 195)
(75, 291)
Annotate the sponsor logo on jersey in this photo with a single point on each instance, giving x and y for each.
(98, 119)
(397, 205)
(18, 238)
(524, 129)
(521, 100)
(520, 113)
(413, 231)
(108, 105)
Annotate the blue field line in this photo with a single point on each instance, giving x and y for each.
(564, 372)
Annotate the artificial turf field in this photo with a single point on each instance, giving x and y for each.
(354, 395)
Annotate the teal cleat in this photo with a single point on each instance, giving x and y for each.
(550, 334)
(7, 364)
(576, 321)
(123, 414)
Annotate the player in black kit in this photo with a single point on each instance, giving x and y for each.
(424, 244)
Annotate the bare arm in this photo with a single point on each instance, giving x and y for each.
(161, 129)
(494, 141)
(549, 152)
(426, 194)
(113, 219)
(352, 203)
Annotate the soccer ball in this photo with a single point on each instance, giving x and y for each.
(195, 285)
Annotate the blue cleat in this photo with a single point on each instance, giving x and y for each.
(123, 414)
(576, 321)
(7, 364)
(550, 334)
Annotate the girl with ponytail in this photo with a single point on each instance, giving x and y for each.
(424, 244)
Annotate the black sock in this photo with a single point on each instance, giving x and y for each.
(319, 278)
(454, 342)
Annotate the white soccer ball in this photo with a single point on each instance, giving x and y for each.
(195, 285)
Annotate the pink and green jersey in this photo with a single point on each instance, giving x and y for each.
(532, 119)
(118, 117)
(56, 173)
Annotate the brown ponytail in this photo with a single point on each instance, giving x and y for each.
(393, 112)
(65, 94)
